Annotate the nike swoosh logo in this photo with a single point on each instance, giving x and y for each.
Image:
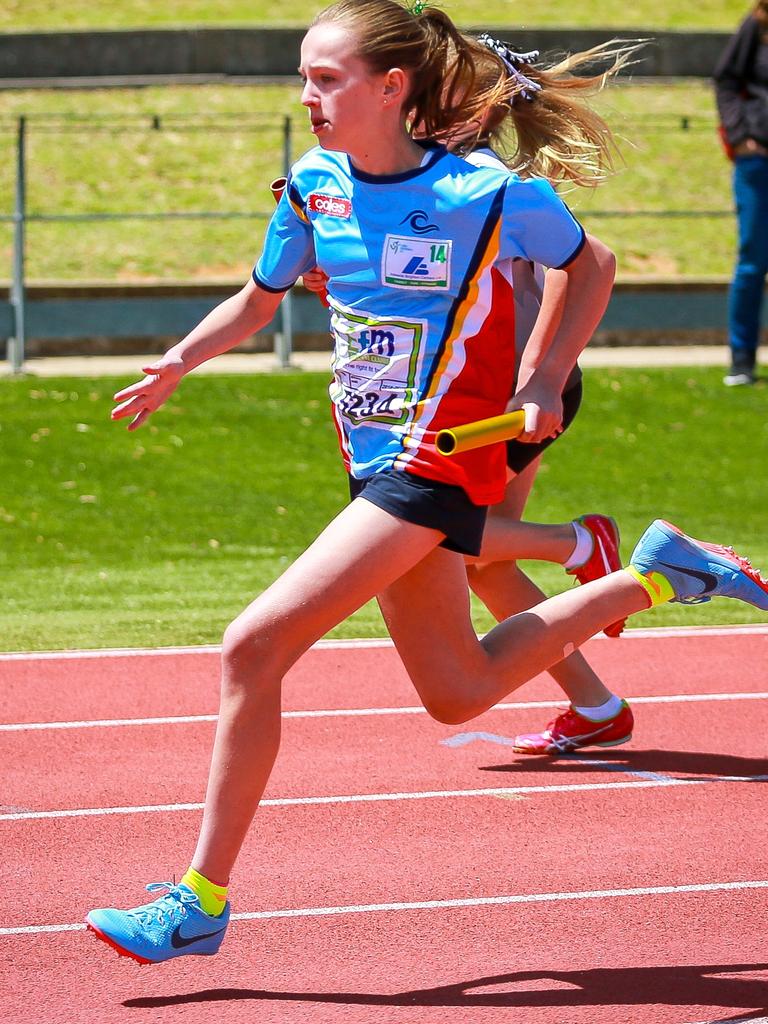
(178, 941)
(707, 578)
(604, 557)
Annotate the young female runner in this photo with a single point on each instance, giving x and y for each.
(572, 145)
(417, 348)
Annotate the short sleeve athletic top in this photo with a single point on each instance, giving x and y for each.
(422, 324)
(526, 279)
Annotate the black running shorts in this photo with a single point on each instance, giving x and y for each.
(429, 503)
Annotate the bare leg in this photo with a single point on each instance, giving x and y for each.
(337, 574)
(457, 677)
(505, 589)
(427, 599)
(506, 538)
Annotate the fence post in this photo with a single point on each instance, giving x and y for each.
(16, 343)
(284, 338)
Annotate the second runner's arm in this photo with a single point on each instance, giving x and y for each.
(573, 303)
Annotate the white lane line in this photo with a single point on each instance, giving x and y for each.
(735, 1020)
(498, 901)
(104, 723)
(658, 632)
(366, 798)
(451, 904)
(623, 769)
(151, 652)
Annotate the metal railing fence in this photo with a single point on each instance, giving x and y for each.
(223, 124)
(61, 124)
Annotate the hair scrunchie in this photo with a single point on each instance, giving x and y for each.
(513, 62)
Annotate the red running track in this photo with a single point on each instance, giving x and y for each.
(380, 883)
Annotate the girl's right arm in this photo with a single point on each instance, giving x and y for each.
(231, 322)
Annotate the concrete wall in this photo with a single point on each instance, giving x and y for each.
(273, 52)
(82, 319)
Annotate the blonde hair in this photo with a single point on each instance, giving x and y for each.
(427, 45)
(555, 134)
(457, 81)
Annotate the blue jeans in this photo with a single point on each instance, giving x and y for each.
(750, 187)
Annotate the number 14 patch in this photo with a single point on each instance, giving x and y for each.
(416, 262)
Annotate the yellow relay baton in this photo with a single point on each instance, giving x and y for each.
(481, 432)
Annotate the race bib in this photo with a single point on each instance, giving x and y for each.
(375, 366)
(416, 262)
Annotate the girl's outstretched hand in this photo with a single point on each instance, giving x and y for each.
(146, 396)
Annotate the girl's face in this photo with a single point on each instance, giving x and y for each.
(345, 100)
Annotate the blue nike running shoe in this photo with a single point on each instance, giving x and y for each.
(698, 571)
(172, 925)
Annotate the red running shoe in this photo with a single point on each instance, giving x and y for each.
(605, 557)
(571, 731)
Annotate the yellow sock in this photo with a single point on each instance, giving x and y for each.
(212, 896)
(657, 587)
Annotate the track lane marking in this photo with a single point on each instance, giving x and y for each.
(449, 904)
(151, 652)
(734, 1020)
(657, 632)
(363, 798)
(106, 723)
(464, 738)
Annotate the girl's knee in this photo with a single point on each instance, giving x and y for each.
(450, 710)
(249, 652)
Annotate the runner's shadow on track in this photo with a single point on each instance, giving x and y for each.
(674, 763)
(707, 985)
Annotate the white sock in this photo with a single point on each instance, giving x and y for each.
(610, 709)
(585, 545)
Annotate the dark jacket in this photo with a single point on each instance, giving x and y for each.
(741, 84)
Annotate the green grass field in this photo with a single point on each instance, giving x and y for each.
(160, 537)
(218, 147)
(17, 15)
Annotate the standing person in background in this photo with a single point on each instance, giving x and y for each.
(741, 88)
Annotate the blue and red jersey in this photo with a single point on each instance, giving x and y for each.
(421, 314)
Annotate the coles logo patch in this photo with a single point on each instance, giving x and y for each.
(333, 206)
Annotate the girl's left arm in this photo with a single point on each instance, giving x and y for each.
(573, 302)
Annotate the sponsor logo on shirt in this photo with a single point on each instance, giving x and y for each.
(416, 262)
(418, 221)
(332, 206)
(376, 364)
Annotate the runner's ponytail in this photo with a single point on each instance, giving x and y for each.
(544, 127)
(473, 90)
